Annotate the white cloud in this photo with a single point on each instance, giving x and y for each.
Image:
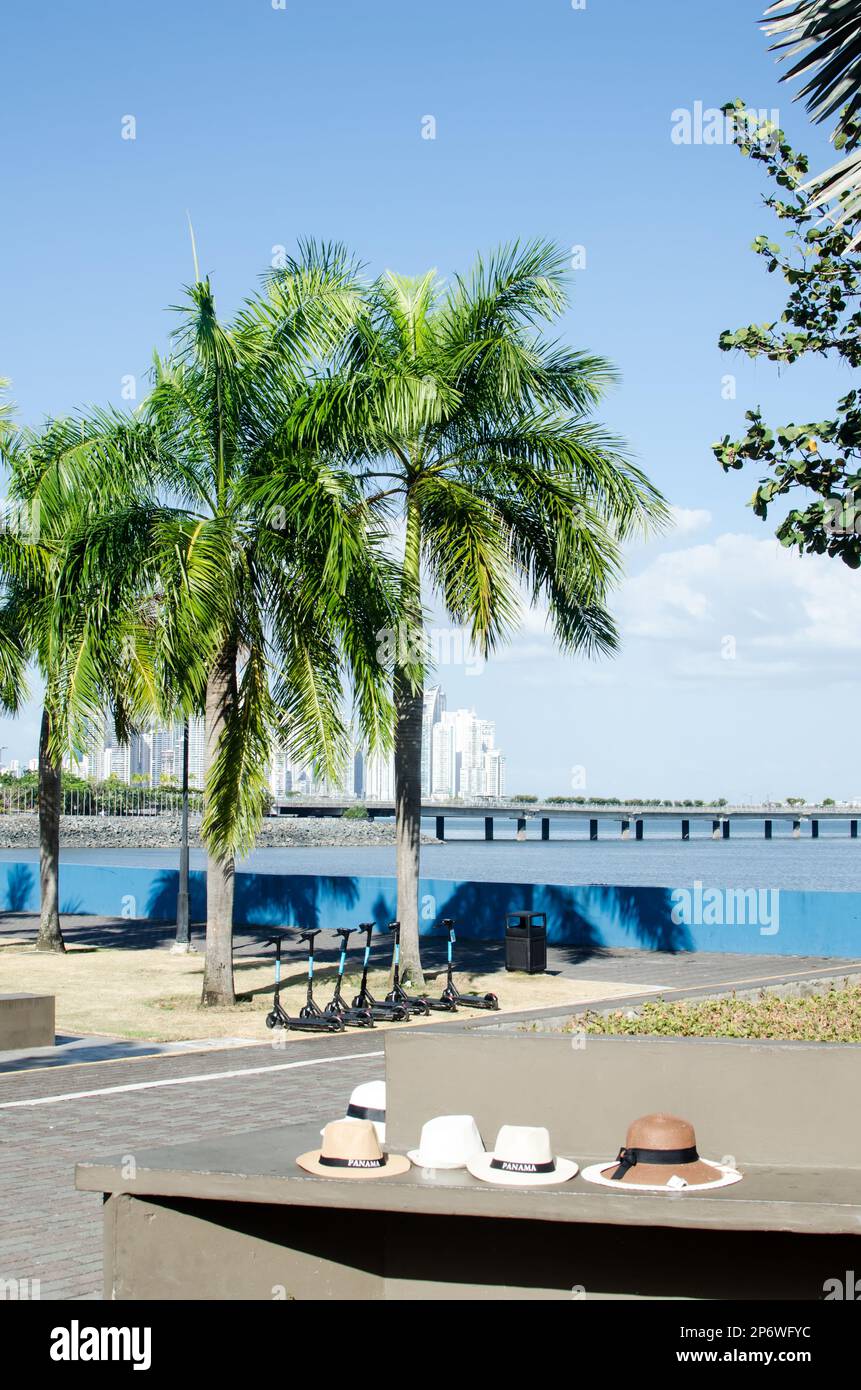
(776, 610)
(734, 609)
(688, 520)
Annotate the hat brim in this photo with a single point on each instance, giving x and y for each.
(395, 1165)
(480, 1167)
(379, 1126)
(653, 1177)
(414, 1155)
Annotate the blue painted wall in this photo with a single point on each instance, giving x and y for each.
(683, 919)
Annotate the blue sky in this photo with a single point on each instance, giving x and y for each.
(271, 124)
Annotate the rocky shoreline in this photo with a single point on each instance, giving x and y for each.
(162, 832)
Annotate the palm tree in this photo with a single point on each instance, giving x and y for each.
(470, 433)
(265, 606)
(68, 616)
(824, 37)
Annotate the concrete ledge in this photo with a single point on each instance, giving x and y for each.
(26, 1020)
(260, 1168)
(234, 1218)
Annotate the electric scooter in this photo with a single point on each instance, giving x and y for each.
(387, 1012)
(418, 1004)
(451, 991)
(352, 1017)
(311, 1018)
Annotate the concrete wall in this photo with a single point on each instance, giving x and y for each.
(687, 918)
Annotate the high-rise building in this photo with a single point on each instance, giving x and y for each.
(167, 750)
(455, 748)
(434, 707)
(380, 776)
(494, 773)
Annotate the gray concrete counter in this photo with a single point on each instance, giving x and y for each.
(235, 1218)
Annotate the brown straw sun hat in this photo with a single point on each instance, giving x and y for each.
(661, 1151)
(351, 1149)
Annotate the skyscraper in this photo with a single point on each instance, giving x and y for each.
(434, 707)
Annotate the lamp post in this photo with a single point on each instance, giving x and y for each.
(182, 944)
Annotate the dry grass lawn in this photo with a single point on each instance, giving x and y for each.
(154, 995)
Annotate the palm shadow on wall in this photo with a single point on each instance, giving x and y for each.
(268, 901)
(577, 917)
(20, 882)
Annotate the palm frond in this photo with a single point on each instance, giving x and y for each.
(822, 41)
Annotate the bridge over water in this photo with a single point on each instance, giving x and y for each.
(630, 819)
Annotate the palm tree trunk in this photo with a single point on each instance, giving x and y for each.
(218, 986)
(50, 936)
(409, 705)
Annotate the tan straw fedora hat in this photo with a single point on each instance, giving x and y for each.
(351, 1149)
(660, 1151)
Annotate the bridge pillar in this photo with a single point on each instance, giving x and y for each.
(545, 827)
(725, 829)
(593, 830)
(814, 830)
(626, 830)
(853, 830)
(796, 829)
(768, 829)
(521, 827)
(638, 829)
(440, 827)
(715, 829)
(488, 827)
(686, 830)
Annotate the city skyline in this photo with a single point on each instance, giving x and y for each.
(459, 758)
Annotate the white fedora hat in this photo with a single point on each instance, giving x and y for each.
(521, 1157)
(368, 1102)
(449, 1141)
(351, 1149)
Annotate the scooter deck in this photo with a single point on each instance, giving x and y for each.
(475, 1001)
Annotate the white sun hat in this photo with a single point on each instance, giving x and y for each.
(368, 1102)
(521, 1157)
(449, 1141)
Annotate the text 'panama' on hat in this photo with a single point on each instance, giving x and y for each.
(351, 1149)
(521, 1157)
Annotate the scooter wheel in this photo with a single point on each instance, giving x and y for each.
(338, 1024)
(272, 1020)
(492, 1001)
(305, 1012)
(391, 998)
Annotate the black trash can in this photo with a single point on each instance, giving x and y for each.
(526, 942)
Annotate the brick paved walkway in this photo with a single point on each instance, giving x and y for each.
(51, 1232)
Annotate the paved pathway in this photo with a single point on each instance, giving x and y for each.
(52, 1116)
(51, 1232)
